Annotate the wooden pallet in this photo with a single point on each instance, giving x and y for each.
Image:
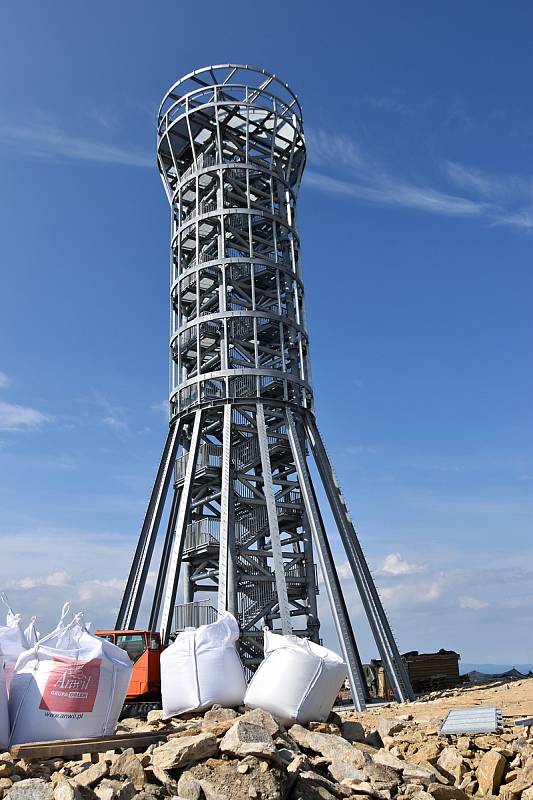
(40, 751)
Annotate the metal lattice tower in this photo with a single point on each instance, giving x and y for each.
(244, 521)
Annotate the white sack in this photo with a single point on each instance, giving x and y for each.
(202, 667)
(71, 685)
(4, 713)
(32, 634)
(12, 643)
(298, 681)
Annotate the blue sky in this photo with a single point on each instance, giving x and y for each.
(417, 228)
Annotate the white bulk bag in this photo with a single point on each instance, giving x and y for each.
(71, 685)
(4, 713)
(298, 681)
(12, 641)
(202, 667)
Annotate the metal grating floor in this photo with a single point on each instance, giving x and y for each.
(472, 720)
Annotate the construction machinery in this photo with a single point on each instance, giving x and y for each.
(144, 648)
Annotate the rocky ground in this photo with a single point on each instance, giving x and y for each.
(392, 752)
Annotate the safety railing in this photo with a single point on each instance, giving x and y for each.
(201, 533)
(192, 615)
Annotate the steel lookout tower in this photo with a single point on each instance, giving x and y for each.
(244, 522)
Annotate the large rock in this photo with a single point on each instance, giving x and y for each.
(154, 716)
(128, 765)
(246, 739)
(219, 714)
(523, 781)
(426, 775)
(90, 777)
(490, 772)
(362, 789)
(65, 790)
(311, 785)
(388, 760)
(353, 731)
(385, 777)
(333, 748)
(440, 792)
(429, 751)
(219, 780)
(373, 739)
(389, 726)
(185, 750)
(342, 771)
(452, 764)
(30, 789)
(115, 790)
(258, 716)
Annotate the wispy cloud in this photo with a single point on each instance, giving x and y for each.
(113, 416)
(492, 187)
(5, 380)
(473, 603)
(498, 200)
(394, 564)
(45, 140)
(20, 418)
(58, 578)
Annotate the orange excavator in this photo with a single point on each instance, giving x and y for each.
(144, 648)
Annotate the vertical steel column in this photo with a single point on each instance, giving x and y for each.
(327, 566)
(131, 601)
(163, 566)
(227, 526)
(179, 537)
(277, 553)
(392, 661)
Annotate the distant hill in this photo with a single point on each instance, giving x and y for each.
(494, 669)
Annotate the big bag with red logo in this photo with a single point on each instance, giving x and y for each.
(71, 685)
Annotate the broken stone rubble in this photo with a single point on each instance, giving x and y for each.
(242, 755)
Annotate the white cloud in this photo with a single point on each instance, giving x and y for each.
(20, 418)
(45, 140)
(101, 590)
(499, 200)
(394, 564)
(114, 416)
(115, 422)
(58, 578)
(472, 602)
(488, 185)
(387, 191)
(413, 593)
(42, 568)
(5, 380)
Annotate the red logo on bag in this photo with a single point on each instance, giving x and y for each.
(71, 685)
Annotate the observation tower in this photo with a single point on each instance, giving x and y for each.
(244, 523)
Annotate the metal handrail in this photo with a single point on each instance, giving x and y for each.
(192, 615)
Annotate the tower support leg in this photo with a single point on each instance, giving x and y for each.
(327, 566)
(179, 537)
(131, 601)
(226, 561)
(277, 554)
(165, 558)
(390, 656)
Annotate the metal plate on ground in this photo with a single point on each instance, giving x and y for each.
(472, 720)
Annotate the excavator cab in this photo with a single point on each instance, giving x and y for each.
(144, 648)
